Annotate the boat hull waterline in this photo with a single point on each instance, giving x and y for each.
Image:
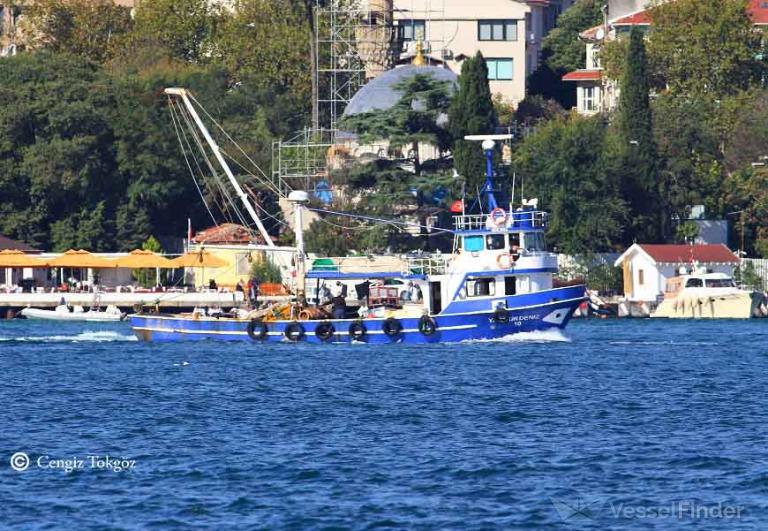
(448, 327)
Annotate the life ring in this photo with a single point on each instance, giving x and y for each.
(501, 315)
(357, 331)
(504, 261)
(256, 329)
(294, 332)
(324, 331)
(304, 315)
(498, 217)
(391, 327)
(427, 325)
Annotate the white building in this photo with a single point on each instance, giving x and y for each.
(648, 267)
(507, 32)
(594, 91)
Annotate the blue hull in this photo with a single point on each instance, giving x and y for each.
(450, 327)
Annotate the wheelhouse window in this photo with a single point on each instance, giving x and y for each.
(534, 241)
(473, 244)
(411, 30)
(497, 30)
(481, 287)
(500, 69)
(494, 242)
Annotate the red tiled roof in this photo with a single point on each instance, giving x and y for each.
(641, 18)
(583, 75)
(224, 233)
(758, 11)
(682, 254)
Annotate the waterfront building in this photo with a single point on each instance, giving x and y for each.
(597, 93)
(647, 268)
(508, 33)
(230, 241)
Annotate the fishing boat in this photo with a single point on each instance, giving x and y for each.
(497, 281)
(699, 294)
(63, 312)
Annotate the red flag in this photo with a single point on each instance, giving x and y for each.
(457, 207)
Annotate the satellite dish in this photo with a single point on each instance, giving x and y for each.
(600, 34)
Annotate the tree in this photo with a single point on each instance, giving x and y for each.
(471, 113)
(148, 277)
(565, 51)
(573, 165)
(264, 44)
(185, 27)
(704, 47)
(89, 28)
(416, 118)
(635, 128)
(689, 161)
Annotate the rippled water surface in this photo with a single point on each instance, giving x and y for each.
(614, 425)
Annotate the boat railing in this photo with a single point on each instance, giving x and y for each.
(518, 219)
(428, 265)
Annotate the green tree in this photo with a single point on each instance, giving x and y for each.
(566, 49)
(415, 119)
(573, 165)
(265, 44)
(148, 277)
(563, 51)
(471, 112)
(90, 28)
(185, 27)
(704, 47)
(635, 128)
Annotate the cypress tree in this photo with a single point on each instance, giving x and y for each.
(635, 126)
(471, 113)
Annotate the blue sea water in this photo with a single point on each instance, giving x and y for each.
(632, 424)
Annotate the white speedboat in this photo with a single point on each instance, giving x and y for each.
(708, 296)
(74, 313)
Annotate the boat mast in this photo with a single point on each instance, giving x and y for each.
(488, 144)
(182, 93)
(299, 198)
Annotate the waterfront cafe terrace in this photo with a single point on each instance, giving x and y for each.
(29, 270)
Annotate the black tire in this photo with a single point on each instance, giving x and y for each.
(501, 315)
(427, 325)
(391, 327)
(294, 332)
(257, 330)
(357, 331)
(324, 331)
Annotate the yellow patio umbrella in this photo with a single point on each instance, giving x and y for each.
(199, 259)
(143, 259)
(80, 259)
(16, 258)
(202, 259)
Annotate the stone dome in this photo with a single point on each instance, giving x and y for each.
(379, 93)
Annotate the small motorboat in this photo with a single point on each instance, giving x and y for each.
(700, 294)
(64, 312)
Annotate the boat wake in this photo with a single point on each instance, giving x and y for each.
(84, 337)
(536, 336)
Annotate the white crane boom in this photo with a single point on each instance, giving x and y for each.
(182, 93)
